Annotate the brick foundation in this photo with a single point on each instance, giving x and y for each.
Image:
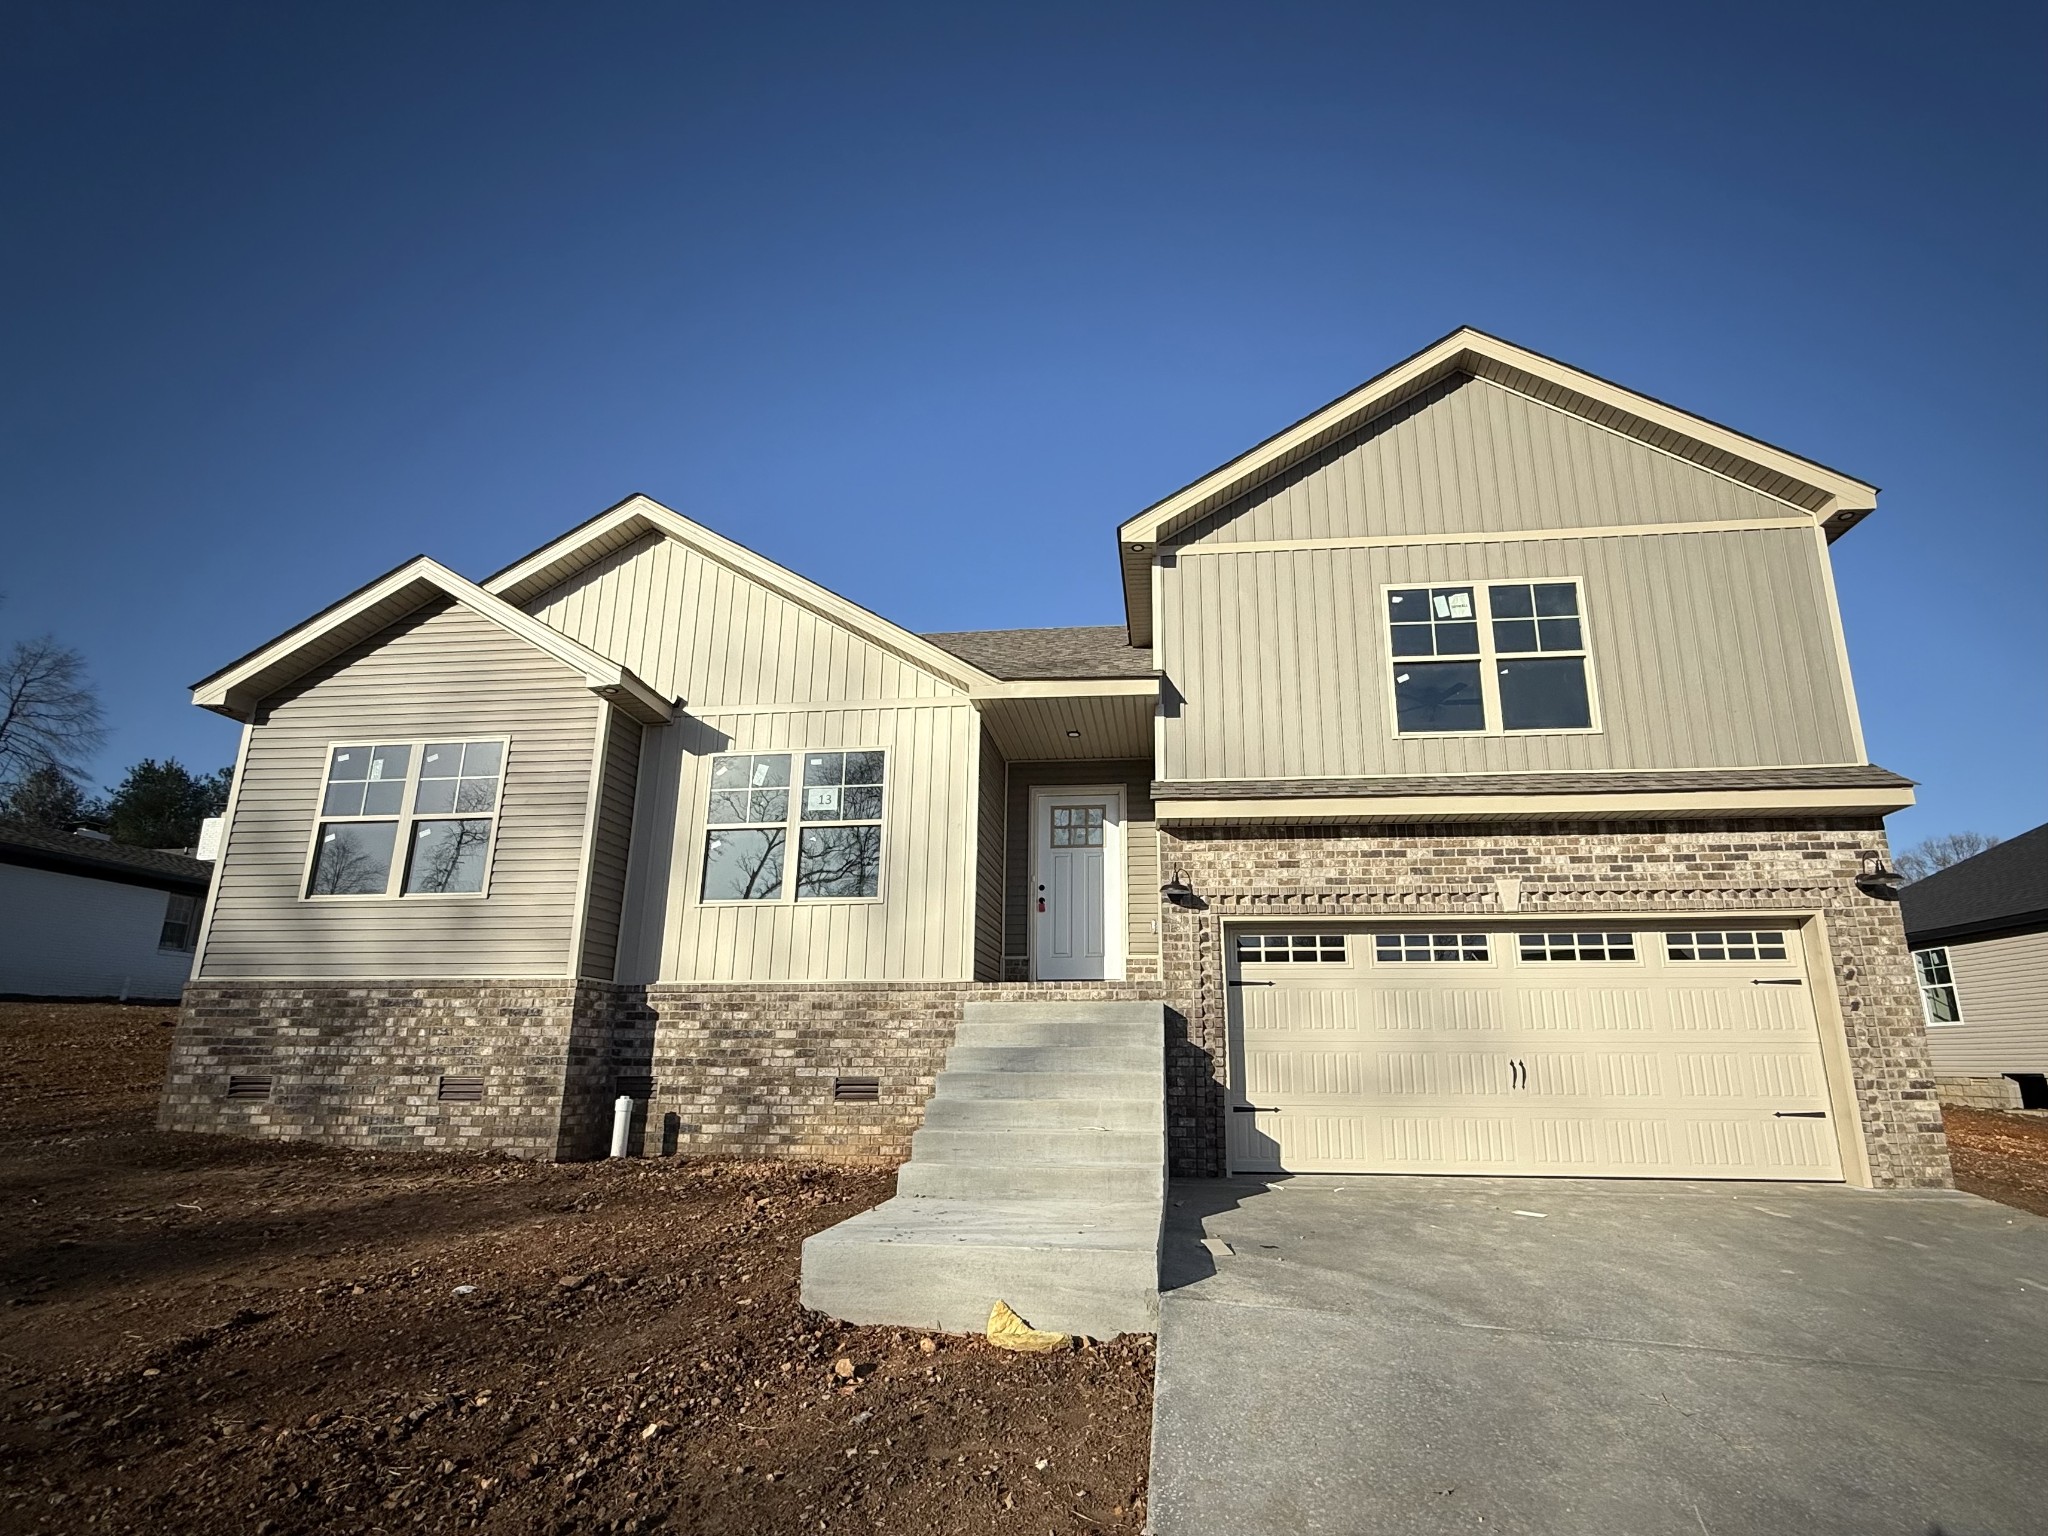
(735, 1071)
(1324, 873)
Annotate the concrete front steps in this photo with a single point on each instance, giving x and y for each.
(1038, 1178)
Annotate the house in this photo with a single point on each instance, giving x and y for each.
(87, 917)
(1979, 935)
(1475, 785)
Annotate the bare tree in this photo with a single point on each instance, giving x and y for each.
(49, 714)
(1923, 859)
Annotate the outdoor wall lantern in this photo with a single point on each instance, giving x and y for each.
(1878, 881)
(1180, 893)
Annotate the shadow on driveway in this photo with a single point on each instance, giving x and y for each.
(1421, 1355)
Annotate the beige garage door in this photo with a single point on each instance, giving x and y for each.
(1643, 1052)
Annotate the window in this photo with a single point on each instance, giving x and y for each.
(834, 819)
(1291, 948)
(1729, 944)
(181, 924)
(1411, 947)
(1578, 946)
(423, 811)
(1077, 826)
(1937, 987)
(1519, 666)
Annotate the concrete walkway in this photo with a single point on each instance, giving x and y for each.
(1517, 1355)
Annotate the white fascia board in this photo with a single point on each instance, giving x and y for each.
(1071, 688)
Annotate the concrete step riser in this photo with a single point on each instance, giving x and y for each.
(1106, 1087)
(983, 1114)
(1054, 1058)
(1106, 1013)
(903, 1285)
(1036, 1181)
(999, 1148)
(1021, 1032)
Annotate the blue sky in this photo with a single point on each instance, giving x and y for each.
(922, 301)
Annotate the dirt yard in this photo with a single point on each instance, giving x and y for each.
(2001, 1157)
(227, 1336)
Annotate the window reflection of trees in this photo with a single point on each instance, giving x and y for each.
(839, 861)
(347, 867)
(448, 856)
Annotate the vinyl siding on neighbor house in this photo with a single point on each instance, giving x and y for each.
(69, 935)
(2002, 989)
(443, 673)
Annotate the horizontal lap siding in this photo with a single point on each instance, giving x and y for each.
(991, 843)
(444, 673)
(1709, 650)
(610, 846)
(1471, 456)
(2002, 987)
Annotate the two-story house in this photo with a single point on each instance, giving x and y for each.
(1475, 785)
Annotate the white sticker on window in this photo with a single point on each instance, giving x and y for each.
(1454, 605)
(760, 773)
(1400, 677)
(822, 799)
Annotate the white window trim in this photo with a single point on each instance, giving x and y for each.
(191, 944)
(792, 827)
(401, 852)
(1955, 988)
(1489, 659)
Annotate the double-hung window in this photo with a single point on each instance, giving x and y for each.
(181, 924)
(407, 819)
(1489, 658)
(1937, 987)
(831, 815)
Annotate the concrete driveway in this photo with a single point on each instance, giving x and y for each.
(1428, 1355)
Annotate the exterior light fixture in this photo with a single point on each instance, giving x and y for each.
(1139, 549)
(1178, 892)
(1073, 735)
(1876, 880)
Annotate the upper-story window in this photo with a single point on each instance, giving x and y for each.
(1489, 658)
(181, 924)
(416, 815)
(1937, 987)
(833, 818)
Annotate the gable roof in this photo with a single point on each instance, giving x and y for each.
(637, 516)
(1087, 651)
(2005, 886)
(68, 853)
(1836, 501)
(238, 688)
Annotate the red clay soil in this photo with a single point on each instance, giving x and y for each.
(2001, 1157)
(230, 1336)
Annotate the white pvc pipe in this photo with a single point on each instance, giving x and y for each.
(622, 1124)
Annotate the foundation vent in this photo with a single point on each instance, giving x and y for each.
(856, 1090)
(462, 1089)
(252, 1086)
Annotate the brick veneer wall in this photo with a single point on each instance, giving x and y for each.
(361, 1063)
(737, 1071)
(1737, 867)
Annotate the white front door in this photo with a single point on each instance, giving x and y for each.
(1077, 885)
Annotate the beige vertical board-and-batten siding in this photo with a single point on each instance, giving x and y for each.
(696, 630)
(761, 673)
(2002, 989)
(1709, 650)
(915, 931)
(610, 847)
(1141, 853)
(441, 674)
(1470, 456)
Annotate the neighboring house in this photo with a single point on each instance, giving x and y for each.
(1476, 781)
(1979, 933)
(85, 917)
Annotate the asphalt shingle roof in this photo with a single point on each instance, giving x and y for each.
(1014, 655)
(38, 848)
(2002, 887)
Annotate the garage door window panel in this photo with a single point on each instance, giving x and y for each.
(1576, 947)
(1292, 949)
(1726, 944)
(1431, 949)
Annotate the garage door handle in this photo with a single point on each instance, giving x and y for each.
(1251, 1109)
(1800, 1114)
(1784, 981)
(1254, 983)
